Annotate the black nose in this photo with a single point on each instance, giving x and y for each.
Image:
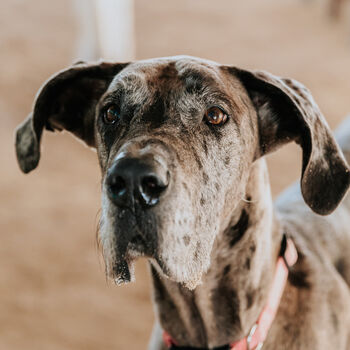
(131, 179)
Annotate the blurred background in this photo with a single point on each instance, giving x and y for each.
(53, 293)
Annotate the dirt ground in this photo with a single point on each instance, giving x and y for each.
(53, 293)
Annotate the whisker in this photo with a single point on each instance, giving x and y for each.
(97, 238)
(98, 244)
(249, 200)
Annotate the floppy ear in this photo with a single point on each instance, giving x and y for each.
(287, 112)
(66, 101)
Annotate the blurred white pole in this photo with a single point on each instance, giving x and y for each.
(87, 42)
(115, 28)
(105, 29)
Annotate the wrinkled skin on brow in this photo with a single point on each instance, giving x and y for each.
(162, 104)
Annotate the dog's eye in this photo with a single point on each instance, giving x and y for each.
(215, 116)
(111, 114)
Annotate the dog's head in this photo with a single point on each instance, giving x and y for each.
(176, 138)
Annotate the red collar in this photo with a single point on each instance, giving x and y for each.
(258, 333)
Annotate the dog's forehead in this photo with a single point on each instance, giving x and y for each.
(167, 69)
(178, 86)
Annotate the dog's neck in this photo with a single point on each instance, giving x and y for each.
(227, 303)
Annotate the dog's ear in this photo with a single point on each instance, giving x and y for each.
(287, 112)
(66, 101)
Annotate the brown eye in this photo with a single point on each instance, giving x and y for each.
(111, 114)
(215, 116)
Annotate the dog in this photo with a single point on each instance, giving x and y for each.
(181, 144)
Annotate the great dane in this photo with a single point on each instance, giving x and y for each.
(181, 144)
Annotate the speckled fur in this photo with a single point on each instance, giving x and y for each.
(214, 238)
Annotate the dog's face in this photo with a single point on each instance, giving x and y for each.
(175, 139)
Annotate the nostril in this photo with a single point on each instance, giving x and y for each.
(117, 186)
(151, 189)
(150, 182)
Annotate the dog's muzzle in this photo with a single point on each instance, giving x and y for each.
(135, 183)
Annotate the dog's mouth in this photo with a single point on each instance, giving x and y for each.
(126, 236)
(123, 270)
(121, 267)
(120, 263)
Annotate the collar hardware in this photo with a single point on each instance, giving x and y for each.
(250, 337)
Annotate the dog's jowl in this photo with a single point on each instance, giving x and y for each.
(181, 144)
